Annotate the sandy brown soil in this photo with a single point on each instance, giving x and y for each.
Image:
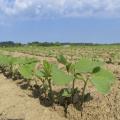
(15, 104)
(102, 107)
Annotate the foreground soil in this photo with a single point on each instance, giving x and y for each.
(16, 104)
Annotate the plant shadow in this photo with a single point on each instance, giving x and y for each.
(23, 84)
(87, 98)
(38, 92)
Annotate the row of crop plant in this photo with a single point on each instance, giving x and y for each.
(50, 75)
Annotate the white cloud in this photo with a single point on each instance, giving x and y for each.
(62, 8)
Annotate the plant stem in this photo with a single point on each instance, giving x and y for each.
(51, 92)
(73, 87)
(65, 108)
(83, 93)
(11, 70)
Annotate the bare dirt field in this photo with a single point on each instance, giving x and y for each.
(15, 104)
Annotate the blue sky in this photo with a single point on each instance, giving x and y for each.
(95, 21)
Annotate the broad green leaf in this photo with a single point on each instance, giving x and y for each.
(103, 80)
(86, 65)
(59, 77)
(5, 59)
(27, 70)
(39, 74)
(62, 59)
(24, 60)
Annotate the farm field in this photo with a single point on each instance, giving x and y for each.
(20, 97)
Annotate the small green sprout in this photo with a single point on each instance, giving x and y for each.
(89, 70)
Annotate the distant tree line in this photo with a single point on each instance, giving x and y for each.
(44, 43)
(13, 44)
(10, 44)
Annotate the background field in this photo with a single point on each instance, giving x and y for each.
(105, 107)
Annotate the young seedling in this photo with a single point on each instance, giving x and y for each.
(3, 63)
(92, 71)
(70, 70)
(10, 65)
(27, 72)
(44, 75)
(6, 63)
(88, 70)
(59, 77)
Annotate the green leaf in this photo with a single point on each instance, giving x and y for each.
(39, 74)
(72, 69)
(5, 59)
(86, 65)
(27, 70)
(66, 92)
(24, 60)
(62, 59)
(59, 77)
(68, 67)
(47, 68)
(103, 80)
